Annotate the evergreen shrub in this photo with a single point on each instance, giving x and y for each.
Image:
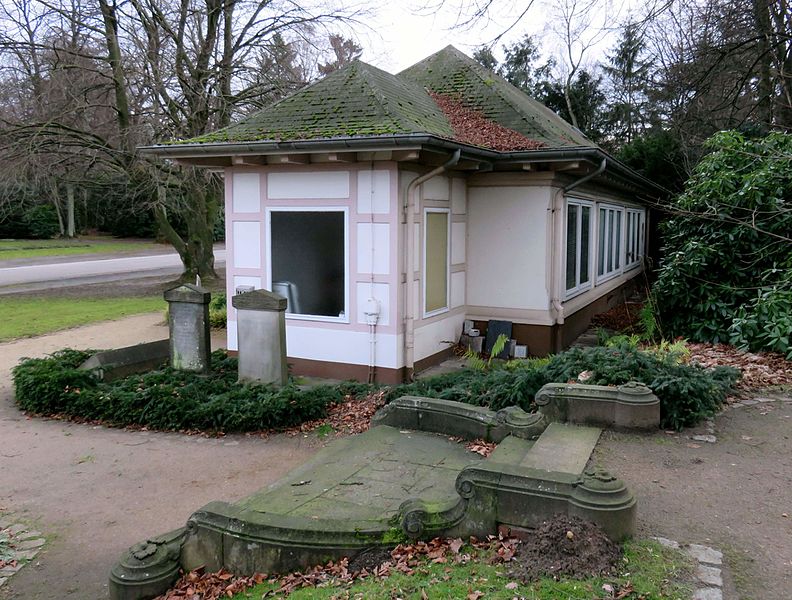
(176, 400)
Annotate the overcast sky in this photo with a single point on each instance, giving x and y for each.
(404, 34)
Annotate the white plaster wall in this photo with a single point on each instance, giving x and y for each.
(317, 185)
(506, 262)
(342, 346)
(431, 338)
(247, 244)
(370, 197)
(247, 192)
(373, 237)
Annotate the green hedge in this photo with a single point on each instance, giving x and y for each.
(166, 399)
(687, 393)
(175, 400)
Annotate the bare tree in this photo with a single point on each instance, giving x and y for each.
(143, 71)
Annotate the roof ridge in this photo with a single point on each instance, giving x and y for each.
(477, 69)
(378, 95)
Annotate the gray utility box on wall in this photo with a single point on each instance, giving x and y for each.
(261, 337)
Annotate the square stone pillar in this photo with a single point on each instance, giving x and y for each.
(188, 323)
(261, 337)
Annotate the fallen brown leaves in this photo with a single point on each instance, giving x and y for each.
(197, 585)
(759, 370)
(472, 127)
(479, 446)
(351, 416)
(404, 558)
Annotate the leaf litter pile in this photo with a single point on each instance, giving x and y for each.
(349, 417)
(759, 369)
(560, 547)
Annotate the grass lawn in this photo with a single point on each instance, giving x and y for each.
(650, 572)
(10, 249)
(25, 317)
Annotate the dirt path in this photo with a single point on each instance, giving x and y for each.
(734, 495)
(95, 491)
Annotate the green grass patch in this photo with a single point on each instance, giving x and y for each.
(25, 317)
(651, 571)
(11, 249)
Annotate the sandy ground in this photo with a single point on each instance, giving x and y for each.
(95, 491)
(734, 495)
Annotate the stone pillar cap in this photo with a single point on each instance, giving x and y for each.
(187, 292)
(259, 300)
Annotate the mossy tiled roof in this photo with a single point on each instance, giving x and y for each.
(361, 101)
(452, 73)
(358, 100)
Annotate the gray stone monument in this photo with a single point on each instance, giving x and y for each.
(188, 322)
(261, 337)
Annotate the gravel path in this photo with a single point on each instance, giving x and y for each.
(95, 491)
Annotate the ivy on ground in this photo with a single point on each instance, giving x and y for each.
(176, 400)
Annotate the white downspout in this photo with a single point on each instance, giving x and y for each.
(409, 218)
(557, 205)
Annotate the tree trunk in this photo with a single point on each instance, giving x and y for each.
(196, 251)
(70, 211)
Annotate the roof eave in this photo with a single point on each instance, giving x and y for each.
(411, 141)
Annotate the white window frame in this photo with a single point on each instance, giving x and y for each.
(268, 245)
(606, 275)
(639, 218)
(447, 307)
(580, 287)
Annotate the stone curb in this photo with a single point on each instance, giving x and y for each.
(26, 544)
(708, 564)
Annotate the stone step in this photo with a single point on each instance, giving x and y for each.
(562, 448)
(511, 450)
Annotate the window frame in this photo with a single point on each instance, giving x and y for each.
(579, 287)
(426, 211)
(268, 246)
(639, 217)
(616, 242)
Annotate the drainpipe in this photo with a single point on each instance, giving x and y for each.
(555, 302)
(409, 217)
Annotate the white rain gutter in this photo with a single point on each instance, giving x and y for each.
(557, 205)
(409, 267)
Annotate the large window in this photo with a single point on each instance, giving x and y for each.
(308, 258)
(635, 237)
(578, 246)
(609, 242)
(436, 263)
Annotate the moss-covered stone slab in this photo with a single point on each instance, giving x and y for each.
(390, 484)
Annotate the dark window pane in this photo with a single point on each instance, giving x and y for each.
(617, 258)
(585, 229)
(308, 266)
(571, 247)
(601, 243)
(610, 240)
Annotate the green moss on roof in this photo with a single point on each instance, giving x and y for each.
(361, 100)
(358, 100)
(452, 73)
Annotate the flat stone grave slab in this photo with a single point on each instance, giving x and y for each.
(365, 479)
(399, 480)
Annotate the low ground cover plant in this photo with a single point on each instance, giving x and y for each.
(176, 400)
(165, 398)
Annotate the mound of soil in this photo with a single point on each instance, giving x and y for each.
(566, 546)
(369, 559)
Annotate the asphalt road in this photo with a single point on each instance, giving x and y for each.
(91, 270)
